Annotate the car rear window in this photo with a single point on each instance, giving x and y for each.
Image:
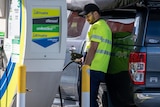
(153, 28)
(75, 25)
(122, 31)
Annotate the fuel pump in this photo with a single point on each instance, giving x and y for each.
(36, 39)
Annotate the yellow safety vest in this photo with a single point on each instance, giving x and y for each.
(100, 32)
(122, 46)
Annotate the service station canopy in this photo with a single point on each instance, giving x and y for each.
(77, 5)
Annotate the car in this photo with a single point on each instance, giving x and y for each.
(76, 41)
(144, 60)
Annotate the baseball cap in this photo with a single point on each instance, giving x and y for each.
(89, 8)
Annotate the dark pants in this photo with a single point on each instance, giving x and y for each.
(96, 77)
(120, 89)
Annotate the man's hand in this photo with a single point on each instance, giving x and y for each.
(79, 60)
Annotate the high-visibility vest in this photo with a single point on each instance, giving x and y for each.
(122, 46)
(100, 32)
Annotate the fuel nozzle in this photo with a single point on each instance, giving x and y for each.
(75, 55)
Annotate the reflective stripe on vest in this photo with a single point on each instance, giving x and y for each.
(103, 40)
(103, 52)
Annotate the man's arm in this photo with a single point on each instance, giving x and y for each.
(91, 53)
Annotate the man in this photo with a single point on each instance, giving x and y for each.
(99, 49)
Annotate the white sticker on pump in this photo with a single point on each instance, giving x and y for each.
(15, 50)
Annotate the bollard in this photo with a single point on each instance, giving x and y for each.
(21, 88)
(85, 98)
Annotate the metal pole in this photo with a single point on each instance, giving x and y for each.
(85, 98)
(21, 88)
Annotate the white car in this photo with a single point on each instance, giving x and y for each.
(77, 33)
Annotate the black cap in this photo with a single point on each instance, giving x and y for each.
(89, 8)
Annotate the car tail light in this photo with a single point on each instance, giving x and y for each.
(137, 67)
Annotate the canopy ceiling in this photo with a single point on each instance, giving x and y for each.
(77, 5)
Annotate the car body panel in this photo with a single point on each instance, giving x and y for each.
(147, 99)
(77, 30)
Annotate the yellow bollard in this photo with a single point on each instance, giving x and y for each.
(85, 98)
(21, 88)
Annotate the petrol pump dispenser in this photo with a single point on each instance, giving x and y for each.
(36, 39)
(45, 47)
